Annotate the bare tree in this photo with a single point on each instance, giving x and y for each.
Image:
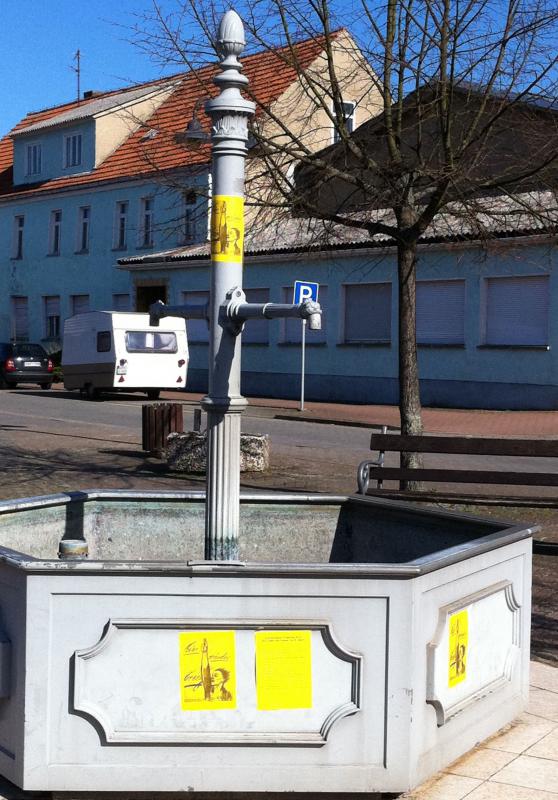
(461, 124)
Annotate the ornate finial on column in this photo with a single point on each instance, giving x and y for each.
(229, 110)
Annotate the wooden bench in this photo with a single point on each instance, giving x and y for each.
(374, 470)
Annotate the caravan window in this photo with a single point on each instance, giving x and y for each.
(103, 342)
(150, 342)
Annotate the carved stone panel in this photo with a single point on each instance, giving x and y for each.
(165, 682)
(474, 649)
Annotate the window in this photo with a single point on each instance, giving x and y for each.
(147, 342)
(188, 233)
(515, 310)
(52, 316)
(20, 319)
(256, 331)
(79, 303)
(292, 328)
(146, 222)
(72, 150)
(198, 329)
(121, 302)
(84, 217)
(120, 225)
(104, 342)
(33, 162)
(17, 246)
(367, 317)
(349, 113)
(55, 233)
(441, 312)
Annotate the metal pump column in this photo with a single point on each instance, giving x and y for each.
(229, 113)
(228, 309)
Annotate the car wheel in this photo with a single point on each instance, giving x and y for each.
(45, 385)
(153, 394)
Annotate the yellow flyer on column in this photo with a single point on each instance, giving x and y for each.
(283, 669)
(227, 228)
(458, 644)
(207, 670)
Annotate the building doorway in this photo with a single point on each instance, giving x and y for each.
(146, 295)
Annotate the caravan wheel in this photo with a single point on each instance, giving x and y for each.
(90, 392)
(153, 394)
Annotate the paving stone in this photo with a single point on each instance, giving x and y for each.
(543, 703)
(481, 763)
(523, 733)
(499, 791)
(446, 787)
(543, 676)
(532, 773)
(546, 747)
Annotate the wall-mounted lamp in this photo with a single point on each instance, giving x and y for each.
(194, 135)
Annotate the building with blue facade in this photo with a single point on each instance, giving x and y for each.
(486, 318)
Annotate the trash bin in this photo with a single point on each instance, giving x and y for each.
(157, 421)
(360, 645)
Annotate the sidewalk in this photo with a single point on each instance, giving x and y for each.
(436, 420)
(520, 763)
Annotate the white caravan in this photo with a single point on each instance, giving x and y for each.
(121, 351)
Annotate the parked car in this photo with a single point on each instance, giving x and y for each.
(24, 363)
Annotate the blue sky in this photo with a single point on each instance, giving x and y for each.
(41, 38)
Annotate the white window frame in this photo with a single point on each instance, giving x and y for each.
(17, 241)
(72, 153)
(439, 343)
(146, 222)
(55, 233)
(33, 164)
(33, 159)
(52, 330)
(350, 118)
(83, 229)
(343, 331)
(484, 339)
(121, 225)
(188, 217)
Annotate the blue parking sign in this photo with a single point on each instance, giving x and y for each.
(305, 290)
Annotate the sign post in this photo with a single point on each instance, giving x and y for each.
(304, 290)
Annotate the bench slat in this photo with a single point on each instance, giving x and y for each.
(466, 445)
(464, 476)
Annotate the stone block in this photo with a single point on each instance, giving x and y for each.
(187, 452)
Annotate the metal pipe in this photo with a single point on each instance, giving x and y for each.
(159, 310)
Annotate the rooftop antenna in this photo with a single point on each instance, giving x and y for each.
(77, 70)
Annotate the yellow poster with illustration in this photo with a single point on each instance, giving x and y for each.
(227, 228)
(207, 670)
(283, 670)
(458, 644)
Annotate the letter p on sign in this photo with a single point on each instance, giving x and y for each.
(304, 290)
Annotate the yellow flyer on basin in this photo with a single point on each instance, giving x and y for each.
(207, 670)
(283, 669)
(227, 228)
(458, 644)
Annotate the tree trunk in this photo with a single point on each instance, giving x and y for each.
(409, 390)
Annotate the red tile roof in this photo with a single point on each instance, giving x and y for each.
(270, 73)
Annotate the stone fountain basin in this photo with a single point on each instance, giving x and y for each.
(359, 645)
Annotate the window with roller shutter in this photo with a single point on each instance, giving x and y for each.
(441, 312)
(515, 311)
